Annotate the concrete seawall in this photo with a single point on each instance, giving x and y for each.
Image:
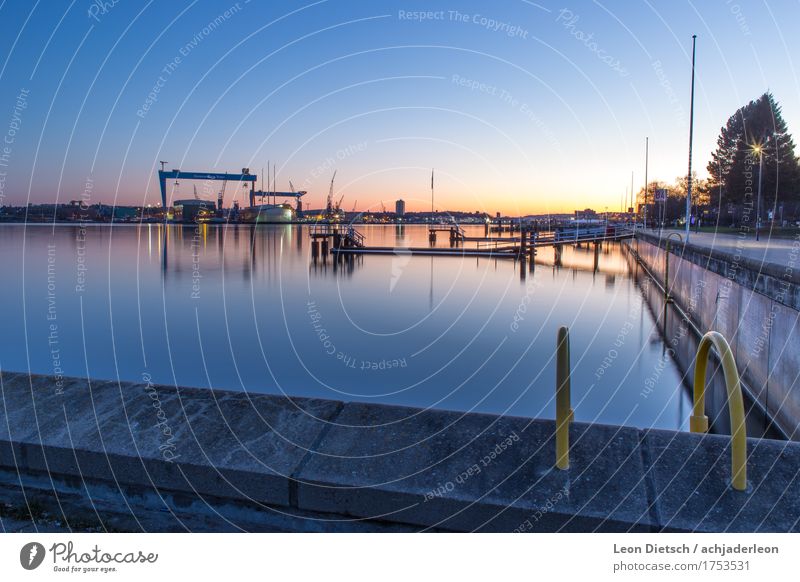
(754, 305)
(157, 458)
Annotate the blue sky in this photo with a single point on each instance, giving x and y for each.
(520, 106)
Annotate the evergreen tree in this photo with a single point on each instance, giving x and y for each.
(733, 169)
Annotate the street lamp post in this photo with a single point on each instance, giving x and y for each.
(758, 203)
(759, 148)
(691, 133)
(646, 160)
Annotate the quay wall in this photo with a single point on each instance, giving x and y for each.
(132, 456)
(755, 306)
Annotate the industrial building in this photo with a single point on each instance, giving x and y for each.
(192, 210)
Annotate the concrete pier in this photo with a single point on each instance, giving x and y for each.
(137, 456)
(755, 305)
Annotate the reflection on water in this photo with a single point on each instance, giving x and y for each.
(248, 308)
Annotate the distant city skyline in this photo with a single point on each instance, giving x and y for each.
(521, 107)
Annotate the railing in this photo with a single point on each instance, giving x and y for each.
(356, 238)
(323, 229)
(348, 234)
(698, 422)
(578, 234)
(589, 234)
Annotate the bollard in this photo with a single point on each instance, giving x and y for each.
(564, 414)
(698, 422)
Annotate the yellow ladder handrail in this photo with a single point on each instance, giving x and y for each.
(564, 414)
(698, 422)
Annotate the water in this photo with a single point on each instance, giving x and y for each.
(243, 308)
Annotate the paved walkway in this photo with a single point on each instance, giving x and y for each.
(778, 251)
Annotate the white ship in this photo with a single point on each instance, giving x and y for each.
(267, 213)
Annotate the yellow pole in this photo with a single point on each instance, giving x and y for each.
(699, 421)
(564, 414)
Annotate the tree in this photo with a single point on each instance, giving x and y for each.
(655, 211)
(674, 207)
(733, 169)
(701, 197)
(652, 186)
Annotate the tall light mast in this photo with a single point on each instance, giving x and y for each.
(691, 132)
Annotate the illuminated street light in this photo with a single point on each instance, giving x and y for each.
(759, 149)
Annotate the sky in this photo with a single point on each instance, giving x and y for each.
(521, 107)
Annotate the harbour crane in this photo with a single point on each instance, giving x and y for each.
(245, 178)
(164, 175)
(329, 204)
(299, 207)
(221, 195)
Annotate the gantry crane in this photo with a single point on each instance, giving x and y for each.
(243, 178)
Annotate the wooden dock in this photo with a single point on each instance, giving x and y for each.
(504, 253)
(350, 242)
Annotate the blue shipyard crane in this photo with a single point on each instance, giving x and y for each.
(244, 177)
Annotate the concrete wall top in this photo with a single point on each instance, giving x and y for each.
(428, 468)
(778, 282)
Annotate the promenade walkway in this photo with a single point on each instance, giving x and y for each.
(777, 251)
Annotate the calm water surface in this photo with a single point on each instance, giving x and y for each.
(246, 308)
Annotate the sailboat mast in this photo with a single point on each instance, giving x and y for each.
(431, 194)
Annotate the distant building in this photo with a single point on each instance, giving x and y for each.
(192, 209)
(586, 213)
(400, 208)
(106, 212)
